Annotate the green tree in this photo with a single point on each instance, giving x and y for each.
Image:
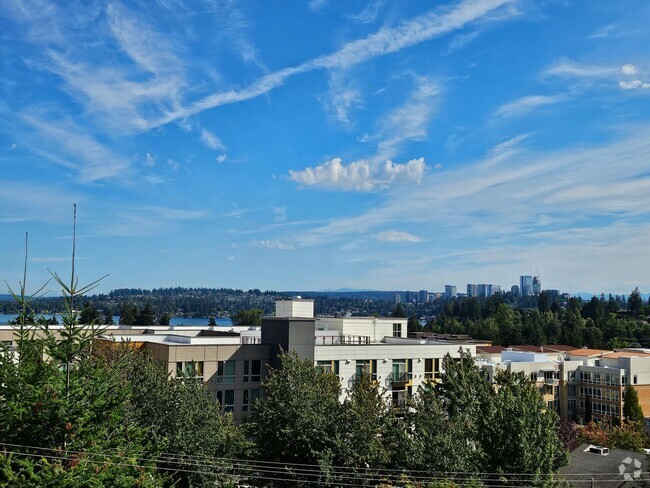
(413, 323)
(632, 411)
(635, 303)
(251, 316)
(367, 423)
(297, 420)
(89, 314)
(62, 401)
(164, 318)
(398, 311)
(519, 433)
(181, 417)
(128, 314)
(212, 322)
(544, 302)
(146, 316)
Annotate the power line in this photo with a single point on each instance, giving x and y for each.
(268, 467)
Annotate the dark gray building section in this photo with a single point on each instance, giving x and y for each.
(288, 334)
(613, 468)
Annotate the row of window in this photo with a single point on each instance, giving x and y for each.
(604, 378)
(602, 408)
(226, 399)
(225, 371)
(600, 393)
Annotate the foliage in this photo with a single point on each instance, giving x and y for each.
(367, 425)
(251, 316)
(180, 416)
(624, 436)
(632, 411)
(398, 311)
(62, 418)
(297, 420)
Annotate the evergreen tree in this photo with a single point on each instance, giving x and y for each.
(632, 411)
(398, 311)
(297, 420)
(635, 303)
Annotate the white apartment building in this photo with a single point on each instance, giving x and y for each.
(570, 379)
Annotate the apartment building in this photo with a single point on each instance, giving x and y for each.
(573, 381)
(233, 361)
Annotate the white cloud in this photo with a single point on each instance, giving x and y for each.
(407, 122)
(396, 236)
(149, 160)
(60, 259)
(633, 85)
(629, 69)
(342, 97)
(221, 158)
(13, 146)
(384, 41)
(437, 166)
(67, 144)
(270, 244)
(369, 13)
(571, 68)
(211, 140)
(359, 175)
(172, 164)
(317, 5)
(527, 104)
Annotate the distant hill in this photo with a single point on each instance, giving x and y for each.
(345, 293)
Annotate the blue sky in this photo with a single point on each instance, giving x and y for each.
(322, 144)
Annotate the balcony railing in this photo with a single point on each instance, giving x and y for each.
(551, 381)
(341, 340)
(402, 377)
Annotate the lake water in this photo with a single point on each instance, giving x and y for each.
(5, 318)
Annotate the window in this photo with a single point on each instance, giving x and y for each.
(226, 399)
(571, 390)
(328, 366)
(189, 369)
(252, 371)
(571, 405)
(366, 366)
(635, 379)
(533, 376)
(397, 330)
(402, 370)
(226, 372)
(249, 398)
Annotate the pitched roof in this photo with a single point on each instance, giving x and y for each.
(490, 349)
(559, 348)
(589, 352)
(617, 468)
(625, 354)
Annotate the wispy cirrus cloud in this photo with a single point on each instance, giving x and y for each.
(625, 76)
(384, 41)
(597, 188)
(396, 236)
(527, 104)
(210, 140)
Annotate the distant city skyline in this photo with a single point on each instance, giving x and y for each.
(321, 145)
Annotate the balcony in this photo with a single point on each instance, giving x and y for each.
(551, 381)
(356, 378)
(399, 378)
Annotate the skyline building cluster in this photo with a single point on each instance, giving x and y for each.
(529, 285)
